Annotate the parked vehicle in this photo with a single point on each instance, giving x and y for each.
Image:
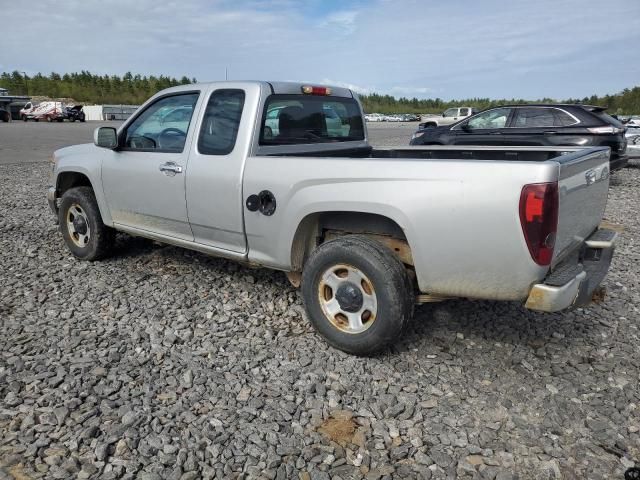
(366, 232)
(632, 135)
(393, 118)
(74, 113)
(448, 117)
(535, 125)
(374, 117)
(49, 111)
(26, 110)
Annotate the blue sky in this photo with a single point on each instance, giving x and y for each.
(423, 48)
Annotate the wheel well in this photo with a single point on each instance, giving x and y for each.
(67, 180)
(317, 228)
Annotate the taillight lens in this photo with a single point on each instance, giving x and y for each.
(539, 219)
(605, 130)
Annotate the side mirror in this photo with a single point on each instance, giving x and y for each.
(105, 137)
(466, 127)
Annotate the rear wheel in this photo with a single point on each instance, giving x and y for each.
(357, 293)
(82, 228)
(24, 118)
(49, 119)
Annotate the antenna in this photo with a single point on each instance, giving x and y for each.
(226, 73)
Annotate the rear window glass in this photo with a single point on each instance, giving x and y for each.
(542, 117)
(605, 117)
(563, 119)
(534, 117)
(302, 119)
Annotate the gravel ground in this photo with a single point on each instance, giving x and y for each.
(164, 363)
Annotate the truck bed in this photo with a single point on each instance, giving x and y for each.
(457, 206)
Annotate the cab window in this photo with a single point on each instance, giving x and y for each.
(163, 125)
(301, 119)
(450, 112)
(220, 122)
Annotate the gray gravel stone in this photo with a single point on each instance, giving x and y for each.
(163, 363)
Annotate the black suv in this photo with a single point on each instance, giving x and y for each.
(530, 125)
(74, 113)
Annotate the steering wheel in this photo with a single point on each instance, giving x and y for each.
(170, 138)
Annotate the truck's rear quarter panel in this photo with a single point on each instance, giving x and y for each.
(460, 217)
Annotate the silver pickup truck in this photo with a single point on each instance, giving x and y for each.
(250, 171)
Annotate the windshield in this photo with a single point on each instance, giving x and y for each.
(303, 119)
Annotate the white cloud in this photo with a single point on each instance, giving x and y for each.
(343, 21)
(403, 90)
(351, 86)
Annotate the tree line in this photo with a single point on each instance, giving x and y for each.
(626, 102)
(134, 89)
(86, 87)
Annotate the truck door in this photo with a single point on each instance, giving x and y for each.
(214, 180)
(144, 179)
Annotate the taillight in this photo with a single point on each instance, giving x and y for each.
(539, 219)
(605, 130)
(308, 89)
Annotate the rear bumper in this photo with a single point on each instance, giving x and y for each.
(574, 281)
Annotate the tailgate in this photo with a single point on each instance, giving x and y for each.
(583, 186)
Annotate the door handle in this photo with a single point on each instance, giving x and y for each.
(170, 168)
(550, 132)
(495, 133)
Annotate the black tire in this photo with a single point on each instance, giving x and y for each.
(24, 118)
(100, 238)
(36, 119)
(60, 120)
(389, 280)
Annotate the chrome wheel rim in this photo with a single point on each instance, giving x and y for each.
(78, 226)
(348, 299)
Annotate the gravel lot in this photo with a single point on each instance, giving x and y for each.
(164, 363)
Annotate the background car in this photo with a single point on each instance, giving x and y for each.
(74, 113)
(531, 125)
(448, 117)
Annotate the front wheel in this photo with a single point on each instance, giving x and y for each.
(357, 293)
(81, 224)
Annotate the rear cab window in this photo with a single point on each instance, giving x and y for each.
(304, 119)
